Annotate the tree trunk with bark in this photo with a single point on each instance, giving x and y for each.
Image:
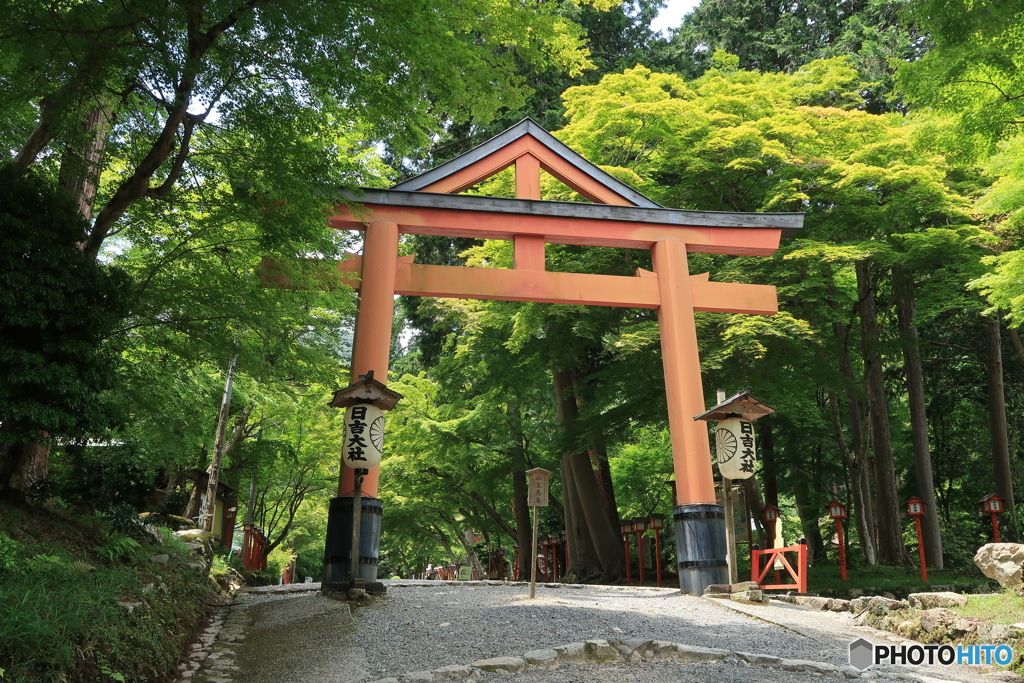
(583, 560)
(519, 488)
(857, 460)
(213, 478)
(598, 456)
(604, 537)
(997, 422)
(809, 515)
(891, 549)
(905, 307)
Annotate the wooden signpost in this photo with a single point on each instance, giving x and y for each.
(537, 496)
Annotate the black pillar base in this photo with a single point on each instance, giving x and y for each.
(700, 547)
(338, 547)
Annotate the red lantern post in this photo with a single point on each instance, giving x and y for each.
(626, 528)
(657, 523)
(639, 527)
(837, 511)
(915, 508)
(553, 540)
(993, 505)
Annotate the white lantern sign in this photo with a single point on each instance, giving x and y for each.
(364, 436)
(734, 448)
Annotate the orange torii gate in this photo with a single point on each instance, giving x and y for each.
(619, 217)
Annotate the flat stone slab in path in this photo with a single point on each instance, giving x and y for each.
(484, 631)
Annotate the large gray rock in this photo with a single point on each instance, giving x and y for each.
(1003, 562)
(932, 600)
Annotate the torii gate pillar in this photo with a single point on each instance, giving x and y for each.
(699, 521)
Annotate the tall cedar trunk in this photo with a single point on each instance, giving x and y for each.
(857, 463)
(603, 535)
(860, 492)
(583, 562)
(519, 488)
(808, 516)
(598, 458)
(887, 505)
(905, 305)
(80, 167)
(997, 420)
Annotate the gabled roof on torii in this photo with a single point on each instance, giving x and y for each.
(619, 217)
(525, 137)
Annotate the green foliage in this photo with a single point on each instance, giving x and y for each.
(57, 312)
(124, 520)
(9, 553)
(973, 70)
(120, 548)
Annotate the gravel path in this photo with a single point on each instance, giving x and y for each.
(433, 631)
(424, 625)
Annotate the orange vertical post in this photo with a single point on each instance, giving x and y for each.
(374, 320)
(801, 554)
(691, 450)
(920, 549)
(842, 549)
(995, 527)
(629, 578)
(528, 249)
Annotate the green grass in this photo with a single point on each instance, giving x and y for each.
(61, 581)
(875, 579)
(1004, 607)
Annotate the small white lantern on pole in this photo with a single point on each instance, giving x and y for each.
(364, 436)
(536, 496)
(734, 448)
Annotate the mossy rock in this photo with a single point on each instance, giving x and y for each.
(196, 536)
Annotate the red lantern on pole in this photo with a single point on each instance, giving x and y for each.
(626, 528)
(553, 539)
(993, 506)
(915, 508)
(657, 523)
(770, 516)
(639, 527)
(837, 511)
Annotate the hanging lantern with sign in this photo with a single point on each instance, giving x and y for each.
(364, 436)
(734, 448)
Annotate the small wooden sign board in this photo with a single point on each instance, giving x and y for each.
(537, 494)
(465, 573)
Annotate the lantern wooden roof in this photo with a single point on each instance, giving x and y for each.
(366, 390)
(742, 405)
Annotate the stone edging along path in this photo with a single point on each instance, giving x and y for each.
(612, 651)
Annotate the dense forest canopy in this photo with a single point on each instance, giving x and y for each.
(156, 152)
